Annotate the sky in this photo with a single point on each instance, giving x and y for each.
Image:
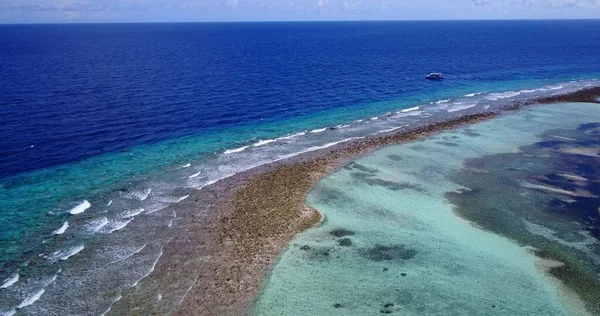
(95, 11)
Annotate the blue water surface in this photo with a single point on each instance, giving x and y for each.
(75, 91)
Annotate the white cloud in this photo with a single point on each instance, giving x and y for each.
(353, 6)
(213, 10)
(481, 2)
(233, 3)
(554, 4)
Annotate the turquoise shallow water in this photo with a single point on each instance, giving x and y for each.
(392, 240)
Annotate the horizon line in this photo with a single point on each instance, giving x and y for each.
(302, 21)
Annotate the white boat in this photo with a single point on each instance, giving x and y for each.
(435, 76)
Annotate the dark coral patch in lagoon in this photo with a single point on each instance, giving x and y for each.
(470, 133)
(346, 242)
(394, 157)
(589, 127)
(394, 252)
(340, 232)
(390, 185)
(447, 144)
(362, 168)
(318, 254)
(328, 195)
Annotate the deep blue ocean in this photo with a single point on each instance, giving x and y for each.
(104, 124)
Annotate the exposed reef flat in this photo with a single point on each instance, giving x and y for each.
(228, 244)
(590, 95)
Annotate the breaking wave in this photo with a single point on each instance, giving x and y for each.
(61, 230)
(10, 281)
(80, 208)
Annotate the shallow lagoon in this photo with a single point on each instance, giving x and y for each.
(456, 224)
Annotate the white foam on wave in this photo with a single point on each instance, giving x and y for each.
(502, 95)
(188, 289)
(263, 142)
(109, 203)
(10, 281)
(114, 226)
(527, 91)
(80, 208)
(235, 150)
(116, 299)
(410, 109)
(131, 213)
(97, 224)
(215, 181)
(181, 198)
(151, 268)
(63, 255)
(375, 118)
(389, 130)
(52, 279)
(461, 107)
(138, 195)
(442, 101)
(473, 94)
(187, 165)
(171, 199)
(156, 207)
(410, 113)
(195, 175)
(555, 87)
(313, 148)
(343, 126)
(30, 300)
(129, 255)
(292, 135)
(61, 230)
(8, 313)
(319, 130)
(283, 157)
